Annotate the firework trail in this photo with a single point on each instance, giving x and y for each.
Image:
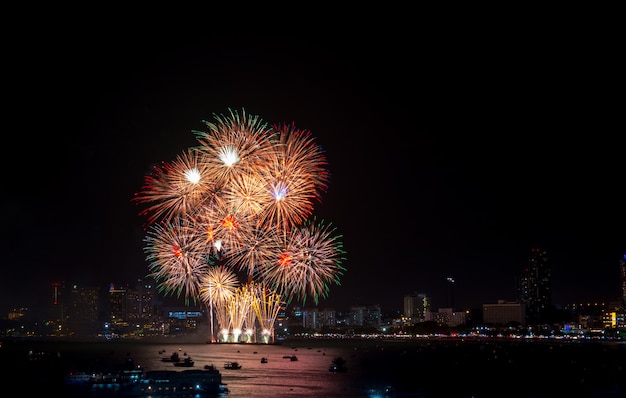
(266, 307)
(217, 288)
(238, 310)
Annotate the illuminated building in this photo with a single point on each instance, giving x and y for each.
(534, 288)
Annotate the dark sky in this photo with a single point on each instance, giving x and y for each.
(450, 153)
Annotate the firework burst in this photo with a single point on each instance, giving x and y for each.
(295, 176)
(234, 145)
(177, 189)
(177, 258)
(309, 263)
(240, 204)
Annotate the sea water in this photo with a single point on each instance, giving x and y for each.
(418, 368)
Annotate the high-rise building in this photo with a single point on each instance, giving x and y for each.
(139, 302)
(534, 289)
(622, 267)
(365, 315)
(56, 307)
(117, 305)
(314, 318)
(84, 309)
(416, 306)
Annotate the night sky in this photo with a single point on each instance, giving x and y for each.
(450, 154)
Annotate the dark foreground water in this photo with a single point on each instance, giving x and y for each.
(417, 368)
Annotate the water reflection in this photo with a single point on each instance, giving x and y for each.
(372, 369)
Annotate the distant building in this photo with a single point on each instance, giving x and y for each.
(365, 316)
(140, 302)
(316, 319)
(622, 266)
(504, 312)
(447, 316)
(534, 288)
(182, 320)
(117, 305)
(84, 310)
(416, 306)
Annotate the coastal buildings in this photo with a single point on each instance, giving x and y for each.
(137, 311)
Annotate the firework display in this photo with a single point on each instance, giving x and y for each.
(230, 224)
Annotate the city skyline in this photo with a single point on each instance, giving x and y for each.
(443, 164)
(59, 288)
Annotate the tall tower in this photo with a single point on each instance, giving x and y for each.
(139, 302)
(57, 304)
(84, 310)
(117, 305)
(622, 267)
(534, 287)
(450, 281)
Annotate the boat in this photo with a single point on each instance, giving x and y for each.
(263, 360)
(187, 362)
(172, 358)
(338, 365)
(79, 378)
(293, 358)
(172, 383)
(129, 373)
(211, 367)
(232, 365)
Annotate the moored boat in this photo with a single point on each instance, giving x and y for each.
(232, 365)
(338, 365)
(187, 362)
(172, 358)
(79, 378)
(129, 373)
(188, 383)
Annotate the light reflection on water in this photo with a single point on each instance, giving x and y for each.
(412, 368)
(307, 377)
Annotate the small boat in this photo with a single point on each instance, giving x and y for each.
(293, 358)
(263, 360)
(232, 365)
(211, 368)
(338, 365)
(187, 362)
(172, 358)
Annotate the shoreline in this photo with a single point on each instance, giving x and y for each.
(303, 342)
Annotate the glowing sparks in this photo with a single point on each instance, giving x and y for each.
(176, 257)
(310, 262)
(176, 189)
(241, 201)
